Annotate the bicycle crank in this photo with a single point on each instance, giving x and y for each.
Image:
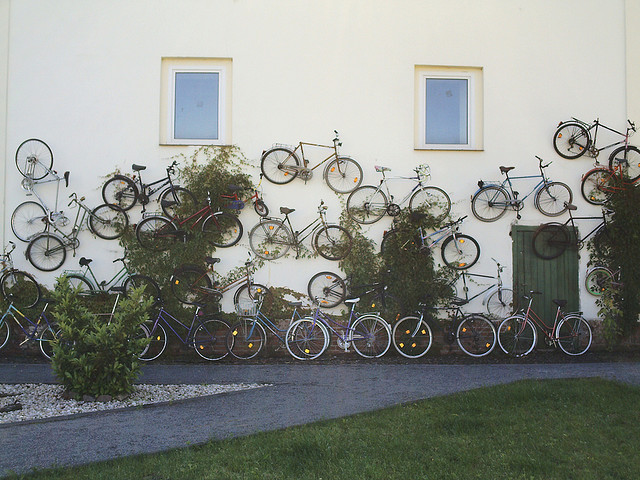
(343, 345)
(393, 210)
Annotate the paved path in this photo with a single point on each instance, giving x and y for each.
(300, 393)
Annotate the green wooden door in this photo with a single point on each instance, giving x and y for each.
(556, 278)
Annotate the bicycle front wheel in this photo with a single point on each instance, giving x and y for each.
(222, 229)
(371, 336)
(573, 335)
(571, 140)
(245, 296)
(460, 251)
(490, 203)
(80, 283)
(517, 336)
(476, 336)
(629, 159)
(326, 289)
(151, 288)
(191, 285)
(28, 220)
(333, 242)
(597, 185)
(553, 199)
(279, 164)
(5, 333)
(210, 339)
(431, 200)
(46, 252)
(598, 281)
(306, 339)
(157, 342)
(47, 339)
(367, 204)
(246, 338)
(270, 239)
(412, 337)
(20, 288)
(156, 233)
(500, 303)
(178, 202)
(120, 191)
(343, 175)
(108, 221)
(550, 240)
(34, 159)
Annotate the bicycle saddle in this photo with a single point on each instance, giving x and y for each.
(382, 169)
(234, 188)
(85, 261)
(459, 301)
(352, 300)
(137, 168)
(506, 169)
(560, 303)
(211, 260)
(287, 211)
(295, 304)
(571, 206)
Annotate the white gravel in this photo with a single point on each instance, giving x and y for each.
(44, 401)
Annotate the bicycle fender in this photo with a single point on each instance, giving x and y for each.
(341, 157)
(482, 184)
(485, 299)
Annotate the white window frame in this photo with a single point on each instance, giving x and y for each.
(473, 76)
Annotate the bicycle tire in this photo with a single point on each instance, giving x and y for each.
(517, 336)
(500, 303)
(151, 287)
(629, 158)
(28, 220)
(306, 339)
(370, 336)
(80, 283)
(34, 159)
(598, 281)
(553, 199)
(261, 208)
(244, 296)
(333, 242)
(46, 252)
(175, 201)
(550, 240)
(46, 339)
(108, 221)
(571, 140)
(5, 333)
(367, 204)
(156, 233)
(270, 239)
(274, 162)
(412, 337)
(120, 191)
(573, 335)
(431, 200)
(222, 229)
(246, 338)
(157, 342)
(191, 285)
(326, 289)
(20, 288)
(476, 335)
(490, 203)
(210, 339)
(343, 175)
(460, 251)
(596, 185)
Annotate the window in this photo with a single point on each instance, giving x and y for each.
(448, 108)
(195, 108)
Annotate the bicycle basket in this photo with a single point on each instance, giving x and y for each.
(423, 171)
(236, 205)
(247, 308)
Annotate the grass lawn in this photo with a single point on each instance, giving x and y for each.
(552, 429)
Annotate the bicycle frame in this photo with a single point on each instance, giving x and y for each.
(162, 317)
(301, 145)
(487, 291)
(266, 322)
(601, 225)
(104, 285)
(35, 325)
(418, 178)
(592, 149)
(530, 314)
(321, 317)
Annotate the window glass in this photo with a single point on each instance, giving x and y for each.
(196, 109)
(447, 111)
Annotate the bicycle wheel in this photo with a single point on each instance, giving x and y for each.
(306, 339)
(490, 203)
(574, 335)
(222, 229)
(34, 159)
(80, 283)
(210, 339)
(598, 185)
(598, 281)
(108, 221)
(20, 288)
(431, 200)
(151, 288)
(412, 337)
(367, 204)
(370, 336)
(28, 220)
(270, 239)
(157, 342)
(343, 175)
(278, 165)
(244, 296)
(191, 285)
(5, 333)
(120, 191)
(476, 335)
(550, 240)
(156, 233)
(460, 251)
(261, 208)
(333, 242)
(552, 199)
(246, 338)
(178, 202)
(500, 303)
(326, 289)
(46, 252)
(571, 140)
(629, 159)
(47, 339)
(517, 336)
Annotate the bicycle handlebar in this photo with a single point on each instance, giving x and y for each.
(632, 125)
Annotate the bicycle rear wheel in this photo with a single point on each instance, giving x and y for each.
(28, 220)
(460, 251)
(222, 229)
(571, 140)
(46, 340)
(34, 159)
(191, 285)
(108, 221)
(431, 200)
(210, 339)
(333, 242)
(151, 288)
(370, 336)
(550, 240)
(120, 191)
(490, 203)
(46, 252)
(476, 336)
(156, 233)
(598, 281)
(573, 335)
(178, 202)
(629, 159)
(80, 283)
(20, 288)
(270, 239)
(278, 165)
(5, 333)
(552, 199)
(244, 296)
(517, 336)
(306, 339)
(343, 175)
(412, 337)
(246, 338)
(157, 342)
(598, 185)
(326, 289)
(367, 204)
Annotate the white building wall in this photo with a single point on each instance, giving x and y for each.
(84, 76)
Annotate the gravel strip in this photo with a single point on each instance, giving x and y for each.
(39, 401)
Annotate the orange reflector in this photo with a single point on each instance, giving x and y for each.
(402, 345)
(306, 350)
(464, 330)
(251, 345)
(176, 282)
(234, 333)
(333, 169)
(407, 332)
(413, 345)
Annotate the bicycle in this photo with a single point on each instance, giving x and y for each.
(159, 233)
(474, 333)
(518, 336)
(550, 240)
(575, 138)
(272, 238)
(599, 279)
(281, 164)
(599, 183)
(34, 159)
(206, 336)
(17, 285)
(369, 333)
(491, 200)
(368, 204)
(47, 251)
(458, 251)
(125, 192)
(40, 330)
(235, 202)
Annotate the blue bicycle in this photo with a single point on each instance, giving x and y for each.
(40, 330)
